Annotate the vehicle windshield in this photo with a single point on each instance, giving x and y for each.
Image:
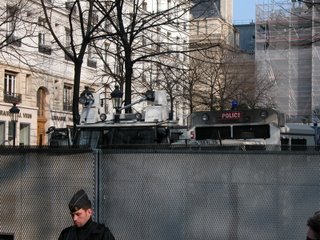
(103, 137)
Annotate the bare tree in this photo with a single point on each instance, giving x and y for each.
(15, 25)
(263, 85)
(221, 75)
(82, 29)
(213, 79)
(189, 85)
(171, 83)
(144, 42)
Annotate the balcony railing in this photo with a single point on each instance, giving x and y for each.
(12, 39)
(45, 49)
(12, 97)
(92, 63)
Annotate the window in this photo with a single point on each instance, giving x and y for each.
(67, 98)
(143, 75)
(144, 41)
(144, 5)
(184, 49)
(42, 39)
(158, 39)
(11, 13)
(24, 134)
(298, 144)
(11, 19)
(9, 83)
(284, 144)
(68, 43)
(107, 26)
(68, 39)
(251, 132)
(70, 6)
(168, 40)
(144, 78)
(158, 72)
(118, 64)
(203, 133)
(168, 4)
(91, 61)
(43, 46)
(106, 57)
(2, 133)
(10, 94)
(177, 47)
(158, 5)
(95, 17)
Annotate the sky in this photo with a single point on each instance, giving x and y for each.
(244, 10)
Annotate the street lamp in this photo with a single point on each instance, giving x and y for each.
(116, 97)
(14, 114)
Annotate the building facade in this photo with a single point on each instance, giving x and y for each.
(246, 37)
(34, 75)
(37, 76)
(287, 50)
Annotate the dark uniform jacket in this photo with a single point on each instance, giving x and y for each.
(90, 231)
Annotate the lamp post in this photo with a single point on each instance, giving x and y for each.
(14, 114)
(116, 97)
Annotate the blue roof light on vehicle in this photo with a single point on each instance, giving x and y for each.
(205, 117)
(234, 104)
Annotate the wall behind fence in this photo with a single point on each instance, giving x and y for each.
(161, 194)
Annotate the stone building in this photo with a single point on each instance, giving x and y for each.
(37, 76)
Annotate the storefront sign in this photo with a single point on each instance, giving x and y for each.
(21, 115)
(61, 118)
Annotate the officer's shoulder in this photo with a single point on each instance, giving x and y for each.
(102, 230)
(99, 227)
(66, 230)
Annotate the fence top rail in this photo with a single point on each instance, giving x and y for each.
(156, 148)
(37, 149)
(200, 149)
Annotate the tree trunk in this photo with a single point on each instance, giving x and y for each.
(76, 93)
(128, 77)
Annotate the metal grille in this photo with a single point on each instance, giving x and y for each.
(208, 195)
(36, 188)
(161, 193)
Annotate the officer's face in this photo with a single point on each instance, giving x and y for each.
(81, 216)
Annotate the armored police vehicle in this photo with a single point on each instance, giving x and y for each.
(101, 129)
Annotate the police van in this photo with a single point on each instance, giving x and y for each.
(259, 129)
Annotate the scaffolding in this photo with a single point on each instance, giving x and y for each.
(287, 48)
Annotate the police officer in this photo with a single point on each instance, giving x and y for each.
(313, 224)
(84, 227)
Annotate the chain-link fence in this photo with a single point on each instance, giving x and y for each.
(36, 186)
(162, 193)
